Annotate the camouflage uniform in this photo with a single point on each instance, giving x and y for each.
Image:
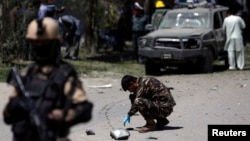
(153, 99)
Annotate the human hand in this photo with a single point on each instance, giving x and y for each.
(126, 119)
(70, 115)
(56, 114)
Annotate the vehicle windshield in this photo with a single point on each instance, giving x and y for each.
(185, 20)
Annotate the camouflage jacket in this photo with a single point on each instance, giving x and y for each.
(154, 90)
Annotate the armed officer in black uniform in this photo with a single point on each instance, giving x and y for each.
(59, 98)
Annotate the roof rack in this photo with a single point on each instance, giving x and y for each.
(191, 5)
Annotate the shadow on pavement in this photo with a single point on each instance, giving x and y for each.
(171, 128)
(164, 128)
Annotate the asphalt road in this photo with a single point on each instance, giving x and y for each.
(202, 99)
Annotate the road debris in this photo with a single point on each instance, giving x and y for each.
(101, 86)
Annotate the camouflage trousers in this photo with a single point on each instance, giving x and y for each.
(153, 109)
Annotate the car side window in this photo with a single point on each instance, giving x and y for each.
(223, 14)
(217, 21)
(157, 17)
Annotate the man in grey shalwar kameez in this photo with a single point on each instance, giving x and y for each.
(233, 26)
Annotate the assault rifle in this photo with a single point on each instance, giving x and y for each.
(15, 80)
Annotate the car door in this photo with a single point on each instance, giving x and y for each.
(219, 33)
(157, 17)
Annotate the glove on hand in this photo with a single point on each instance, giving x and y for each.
(126, 119)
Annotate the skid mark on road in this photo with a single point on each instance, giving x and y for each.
(106, 109)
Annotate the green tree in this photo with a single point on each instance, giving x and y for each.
(11, 39)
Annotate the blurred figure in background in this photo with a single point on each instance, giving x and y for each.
(233, 26)
(42, 8)
(30, 14)
(47, 8)
(139, 20)
(72, 30)
(15, 15)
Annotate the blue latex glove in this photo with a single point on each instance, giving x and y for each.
(126, 119)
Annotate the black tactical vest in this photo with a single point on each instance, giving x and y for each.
(47, 94)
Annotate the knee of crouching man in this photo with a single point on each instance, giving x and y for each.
(140, 101)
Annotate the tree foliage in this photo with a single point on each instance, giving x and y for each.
(93, 13)
(12, 39)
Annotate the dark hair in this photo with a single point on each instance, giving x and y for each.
(125, 82)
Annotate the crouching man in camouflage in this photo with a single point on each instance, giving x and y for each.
(153, 100)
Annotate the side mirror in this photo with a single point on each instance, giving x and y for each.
(149, 27)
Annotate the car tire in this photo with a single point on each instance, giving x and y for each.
(205, 64)
(152, 68)
(226, 62)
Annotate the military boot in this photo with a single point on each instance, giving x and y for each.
(161, 122)
(150, 126)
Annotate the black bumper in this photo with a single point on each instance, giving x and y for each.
(171, 54)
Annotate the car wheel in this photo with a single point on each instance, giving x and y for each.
(187, 68)
(226, 63)
(152, 68)
(205, 64)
